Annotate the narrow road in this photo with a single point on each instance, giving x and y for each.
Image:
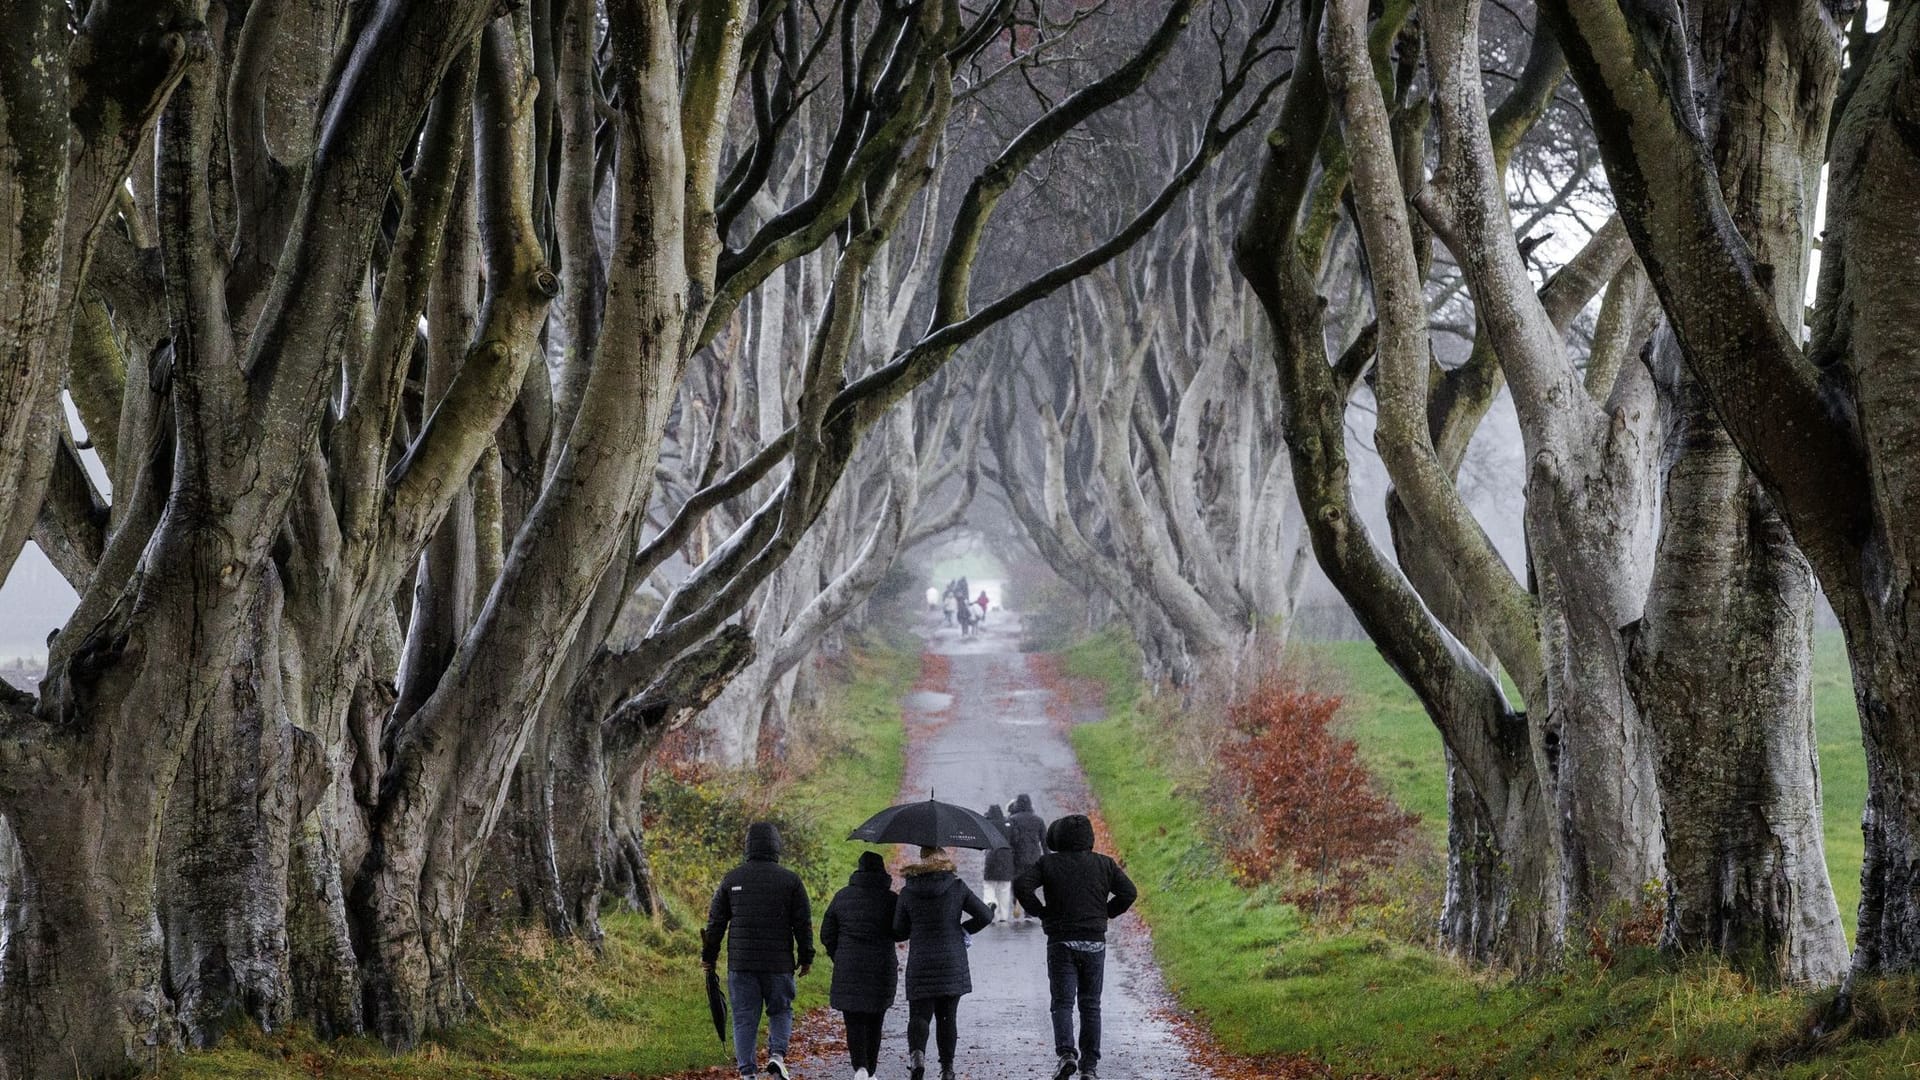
(985, 736)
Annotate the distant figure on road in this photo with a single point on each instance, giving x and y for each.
(935, 914)
(857, 933)
(1028, 833)
(761, 909)
(1075, 890)
(965, 615)
(948, 607)
(933, 598)
(999, 872)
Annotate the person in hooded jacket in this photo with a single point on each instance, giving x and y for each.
(1028, 833)
(998, 876)
(1075, 890)
(761, 910)
(935, 914)
(857, 932)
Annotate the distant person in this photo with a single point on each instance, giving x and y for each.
(1028, 832)
(965, 615)
(761, 909)
(933, 598)
(947, 606)
(999, 872)
(857, 933)
(935, 914)
(982, 601)
(1075, 890)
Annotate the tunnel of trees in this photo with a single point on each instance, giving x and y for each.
(435, 404)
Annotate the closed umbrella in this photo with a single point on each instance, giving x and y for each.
(717, 1004)
(930, 824)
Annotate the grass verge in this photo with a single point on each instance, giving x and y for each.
(1371, 1003)
(639, 1008)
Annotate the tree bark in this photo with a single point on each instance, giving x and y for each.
(248, 780)
(1723, 658)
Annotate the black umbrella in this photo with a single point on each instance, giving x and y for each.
(931, 824)
(717, 1004)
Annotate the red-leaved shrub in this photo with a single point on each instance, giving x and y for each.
(1299, 797)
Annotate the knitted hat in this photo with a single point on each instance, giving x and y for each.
(871, 862)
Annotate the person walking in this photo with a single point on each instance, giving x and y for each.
(965, 615)
(947, 607)
(857, 932)
(935, 915)
(1028, 833)
(999, 869)
(761, 910)
(982, 601)
(933, 598)
(1075, 890)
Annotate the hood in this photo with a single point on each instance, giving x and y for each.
(871, 862)
(1021, 805)
(1071, 833)
(763, 841)
(994, 814)
(872, 879)
(938, 864)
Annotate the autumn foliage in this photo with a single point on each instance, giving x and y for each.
(1301, 805)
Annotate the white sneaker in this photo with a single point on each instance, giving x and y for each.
(777, 1066)
(862, 1074)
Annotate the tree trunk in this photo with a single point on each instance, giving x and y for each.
(630, 874)
(1723, 672)
(248, 779)
(80, 993)
(1503, 899)
(1886, 674)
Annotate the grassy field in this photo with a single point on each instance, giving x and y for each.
(639, 1009)
(1368, 1002)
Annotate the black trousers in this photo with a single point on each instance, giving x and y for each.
(1075, 978)
(863, 1039)
(922, 1013)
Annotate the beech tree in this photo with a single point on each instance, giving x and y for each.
(1646, 568)
(1819, 419)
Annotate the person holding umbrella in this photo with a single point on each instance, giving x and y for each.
(857, 933)
(935, 914)
(761, 910)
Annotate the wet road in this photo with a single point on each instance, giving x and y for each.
(983, 737)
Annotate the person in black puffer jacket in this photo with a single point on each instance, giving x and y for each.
(1075, 890)
(999, 872)
(761, 909)
(857, 933)
(1027, 831)
(935, 914)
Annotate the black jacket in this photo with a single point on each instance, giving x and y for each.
(761, 909)
(1000, 859)
(1027, 832)
(929, 919)
(1083, 887)
(857, 933)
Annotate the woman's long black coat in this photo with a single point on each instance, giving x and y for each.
(929, 918)
(857, 932)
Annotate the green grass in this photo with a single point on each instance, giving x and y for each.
(1365, 1002)
(638, 1009)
